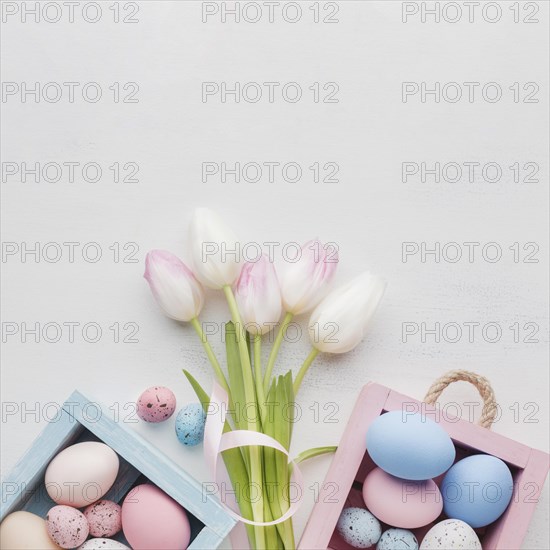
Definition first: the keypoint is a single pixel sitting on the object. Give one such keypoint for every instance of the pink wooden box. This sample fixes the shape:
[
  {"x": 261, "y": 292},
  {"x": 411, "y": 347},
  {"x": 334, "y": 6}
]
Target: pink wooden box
[{"x": 351, "y": 463}]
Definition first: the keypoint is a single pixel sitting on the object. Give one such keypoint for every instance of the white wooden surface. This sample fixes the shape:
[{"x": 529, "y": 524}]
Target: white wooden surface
[{"x": 370, "y": 213}]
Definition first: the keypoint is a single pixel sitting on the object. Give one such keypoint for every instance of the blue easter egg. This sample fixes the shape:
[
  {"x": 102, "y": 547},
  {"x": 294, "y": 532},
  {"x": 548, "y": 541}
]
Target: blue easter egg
[
  {"x": 397, "y": 539},
  {"x": 477, "y": 490},
  {"x": 190, "y": 424},
  {"x": 358, "y": 527},
  {"x": 410, "y": 446}
]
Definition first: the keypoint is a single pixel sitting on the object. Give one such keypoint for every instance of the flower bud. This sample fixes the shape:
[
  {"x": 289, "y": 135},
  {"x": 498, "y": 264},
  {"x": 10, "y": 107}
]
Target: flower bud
[
  {"x": 258, "y": 296},
  {"x": 340, "y": 321},
  {"x": 173, "y": 285},
  {"x": 214, "y": 249},
  {"x": 304, "y": 283}
]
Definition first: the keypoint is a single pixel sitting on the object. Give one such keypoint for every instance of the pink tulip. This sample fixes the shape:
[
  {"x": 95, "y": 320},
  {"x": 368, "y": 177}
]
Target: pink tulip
[
  {"x": 258, "y": 296},
  {"x": 305, "y": 282},
  {"x": 173, "y": 285}
]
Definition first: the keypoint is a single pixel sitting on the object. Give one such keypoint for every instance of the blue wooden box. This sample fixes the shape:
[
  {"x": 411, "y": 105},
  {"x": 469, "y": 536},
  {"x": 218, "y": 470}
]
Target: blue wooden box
[{"x": 83, "y": 420}]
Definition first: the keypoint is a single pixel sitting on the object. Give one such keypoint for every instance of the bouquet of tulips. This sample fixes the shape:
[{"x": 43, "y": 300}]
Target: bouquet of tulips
[{"x": 258, "y": 298}]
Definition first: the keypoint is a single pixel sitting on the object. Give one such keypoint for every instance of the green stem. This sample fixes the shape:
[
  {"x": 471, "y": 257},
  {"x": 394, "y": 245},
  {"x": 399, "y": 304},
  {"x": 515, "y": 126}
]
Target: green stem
[
  {"x": 304, "y": 368},
  {"x": 210, "y": 353},
  {"x": 256, "y": 476},
  {"x": 275, "y": 349},
  {"x": 257, "y": 346}
]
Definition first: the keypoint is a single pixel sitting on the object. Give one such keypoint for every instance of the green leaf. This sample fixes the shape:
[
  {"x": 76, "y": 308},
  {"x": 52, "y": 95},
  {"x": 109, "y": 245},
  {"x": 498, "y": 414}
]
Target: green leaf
[
  {"x": 276, "y": 463},
  {"x": 315, "y": 451},
  {"x": 201, "y": 394}
]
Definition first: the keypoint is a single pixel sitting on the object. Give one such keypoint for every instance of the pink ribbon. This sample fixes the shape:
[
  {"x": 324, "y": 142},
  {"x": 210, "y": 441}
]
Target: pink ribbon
[{"x": 215, "y": 442}]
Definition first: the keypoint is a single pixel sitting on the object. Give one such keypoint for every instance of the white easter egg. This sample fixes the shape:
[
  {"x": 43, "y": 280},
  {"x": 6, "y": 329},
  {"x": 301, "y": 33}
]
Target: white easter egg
[
  {"x": 451, "y": 534},
  {"x": 81, "y": 474},
  {"x": 103, "y": 544}
]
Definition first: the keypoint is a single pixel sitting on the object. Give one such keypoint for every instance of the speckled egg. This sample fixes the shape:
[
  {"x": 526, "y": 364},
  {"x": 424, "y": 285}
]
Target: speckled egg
[
  {"x": 104, "y": 518},
  {"x": 190, "y": 424},
  {"x": 397, "y": 539},
  {"x": 358, "y": 527},
  {"x": 67, "y": 526},
  {"x": 451, "y": 534},
  {"x": 103, "y": 544},
  {"x": 156, "y": 404}
]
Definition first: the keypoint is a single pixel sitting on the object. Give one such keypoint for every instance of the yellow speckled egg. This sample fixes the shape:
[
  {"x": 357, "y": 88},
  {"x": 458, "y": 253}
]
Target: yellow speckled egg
[{"x": 25, "y": 531}]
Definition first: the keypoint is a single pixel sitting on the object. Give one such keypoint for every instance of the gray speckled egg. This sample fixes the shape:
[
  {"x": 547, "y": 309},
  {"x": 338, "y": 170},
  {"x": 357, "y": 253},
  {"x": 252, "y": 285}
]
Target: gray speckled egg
[
  {"x": 450, "y": 534},
  {"x": 103, "y": 544},
  {"x": 358, "y": 527},
  {"x": 397, "y": 539},
  {"x": 67, "y": 526},
  {"x": 190, "y": 424}
]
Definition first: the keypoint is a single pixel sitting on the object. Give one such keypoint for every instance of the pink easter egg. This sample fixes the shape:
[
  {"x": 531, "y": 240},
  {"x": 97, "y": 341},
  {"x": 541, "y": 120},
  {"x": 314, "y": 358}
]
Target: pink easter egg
[
  {"x": 401, "y": 503},
  {"x": 104, "y": 518},
  {"x": 67, "y": 526},
  {"x": 151, "y": 519},
  {"x": 156, "y": 404}
]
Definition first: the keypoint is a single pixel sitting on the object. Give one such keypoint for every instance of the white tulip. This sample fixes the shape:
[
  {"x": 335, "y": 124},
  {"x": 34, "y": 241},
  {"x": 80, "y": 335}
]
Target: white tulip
[
  {"x": 258, "y": 296},
  {"x": 304, "y": 283},
  {"x": 214, "y": 249},
  {"x": 340, "y": 321},
  {"x": 174, "y": 286}
]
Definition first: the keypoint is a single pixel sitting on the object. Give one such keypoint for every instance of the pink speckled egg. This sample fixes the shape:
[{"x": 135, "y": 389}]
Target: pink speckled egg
[
  {"x": 156, "y": 404},
  {"x": 104, "y": 518},
  {"x": 401, "y": 503},
  {"x": 151, "y": 519},
  {"x": 67, "y": 526}
]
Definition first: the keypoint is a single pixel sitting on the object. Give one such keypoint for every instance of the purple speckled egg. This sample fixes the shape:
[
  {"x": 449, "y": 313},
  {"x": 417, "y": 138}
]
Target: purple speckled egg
[
  {"x": 67, "y": 526},
  {"x": 104, "y": 518},
  {"x": 156, "y": 404}
]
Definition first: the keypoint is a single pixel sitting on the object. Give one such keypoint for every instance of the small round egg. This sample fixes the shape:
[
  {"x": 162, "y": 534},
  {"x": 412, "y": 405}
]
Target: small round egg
[
  {"x": 397, "y": 539},
  {"x": 358, "y": 527},
  {"x": 103, "y": 544},
  {"x": 190, "y": 424},
  {"x": 104, "y": 518},
  {"x": 156, "y": 404},
  {"x": 450, "y": 534},
  {"x": 67, "y": 526}
]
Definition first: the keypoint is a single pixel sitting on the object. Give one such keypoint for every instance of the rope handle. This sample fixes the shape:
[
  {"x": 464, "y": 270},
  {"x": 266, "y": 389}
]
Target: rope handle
[{"x": 489, "y": 412}]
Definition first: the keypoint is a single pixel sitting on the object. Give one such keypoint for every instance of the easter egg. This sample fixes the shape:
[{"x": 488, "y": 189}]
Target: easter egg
[
  {"x": 477, "y": 490},
  {"x": 156, "y": 404},
  {"x": 401, "y": 503},
  {"x": 103, "y": 544},
  {"x": 67, "y": 526},
  {"x": 358, "y": 527},
  {"x": 81, "y": 473},
  {"x": 450, "y": 534},
  {"x": 151, "y": 519},
  {"x": 190, "y": 424},
  {"x": 409, "y": 445},
  {"x": 103, "y": 518},
  {"x": 397, "y": 539},
  {"x": 23, "y": 530}
]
